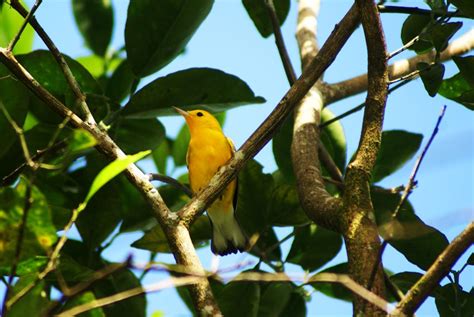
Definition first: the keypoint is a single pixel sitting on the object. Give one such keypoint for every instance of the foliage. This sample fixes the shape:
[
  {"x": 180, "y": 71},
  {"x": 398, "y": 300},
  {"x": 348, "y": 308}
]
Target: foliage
[{"x": 156, "y": 33}]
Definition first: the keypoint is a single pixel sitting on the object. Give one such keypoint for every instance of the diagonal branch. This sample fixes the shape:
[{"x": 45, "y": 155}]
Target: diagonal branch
[
  {"x": 265, "y": 131},
  {"x": 438, "y": 270},
  {"x": 177, "y": 235},
  {"x": 358, "y": 84},
  {"x": 360, "y": 232}
]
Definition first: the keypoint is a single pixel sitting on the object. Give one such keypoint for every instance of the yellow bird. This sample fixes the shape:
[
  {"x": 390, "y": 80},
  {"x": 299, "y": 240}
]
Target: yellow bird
[{"x": 208, "y": 150}]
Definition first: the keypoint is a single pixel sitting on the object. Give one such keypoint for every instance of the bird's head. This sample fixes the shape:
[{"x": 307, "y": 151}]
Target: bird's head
[{"x": 199, "y": 119}]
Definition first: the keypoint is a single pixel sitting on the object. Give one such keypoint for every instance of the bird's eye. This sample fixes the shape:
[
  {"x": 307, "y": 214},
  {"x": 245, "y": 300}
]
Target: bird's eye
[{"x": 199, "y": 114}]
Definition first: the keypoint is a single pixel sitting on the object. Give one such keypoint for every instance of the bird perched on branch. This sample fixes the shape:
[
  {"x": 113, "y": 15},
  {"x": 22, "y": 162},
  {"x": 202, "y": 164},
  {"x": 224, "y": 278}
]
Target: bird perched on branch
[{"x": 208, "y": 150}]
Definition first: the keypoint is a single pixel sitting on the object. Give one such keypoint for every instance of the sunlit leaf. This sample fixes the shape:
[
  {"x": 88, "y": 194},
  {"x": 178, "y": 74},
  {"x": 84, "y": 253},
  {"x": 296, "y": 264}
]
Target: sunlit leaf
[{"x": 10, "y": 23}]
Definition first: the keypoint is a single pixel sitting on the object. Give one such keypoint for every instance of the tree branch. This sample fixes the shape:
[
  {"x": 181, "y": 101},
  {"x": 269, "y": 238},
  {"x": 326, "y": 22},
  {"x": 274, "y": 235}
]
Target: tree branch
[
  {"x": 415, "y": 10},
  {"x": 439, "y": 269},
  {"x": 360, "y": 232},
  {"x": 317, "y": 203},
  {"x": 265, "y": 131},
  {"x": 180, "y": 241},
  {"x": 356, "y": 85}
]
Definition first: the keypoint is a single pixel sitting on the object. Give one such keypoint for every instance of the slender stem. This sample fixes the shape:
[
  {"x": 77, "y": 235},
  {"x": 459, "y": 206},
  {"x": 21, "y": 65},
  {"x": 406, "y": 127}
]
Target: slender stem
[
  {"x": 171, "y": 181},
  {"x": 24, "y": 24},
  {"x": 416, "y": 10}
]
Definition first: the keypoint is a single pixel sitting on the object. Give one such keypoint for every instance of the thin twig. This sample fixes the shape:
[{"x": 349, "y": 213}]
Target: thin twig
[
  {"x": 12, "y": 44},
  {"x": 280, "y": 42},
  {"x": 418, "y": 11},
  {"x": 171, "y": 181},
  {"x": 439, "y": 269},
  {"x": 412, "y": 180},
  {"x": 407, "y": 191}
]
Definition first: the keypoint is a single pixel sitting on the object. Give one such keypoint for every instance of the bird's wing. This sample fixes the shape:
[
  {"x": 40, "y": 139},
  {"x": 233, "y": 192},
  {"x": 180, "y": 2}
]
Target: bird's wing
[{"x": 236, "y": 192}]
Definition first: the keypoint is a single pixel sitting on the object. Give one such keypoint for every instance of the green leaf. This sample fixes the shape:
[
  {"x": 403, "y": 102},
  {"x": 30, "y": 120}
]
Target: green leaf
[
  {"x": 457, "y": 88},
  {"x": 240, "y": 299},
  {"x": 274, "y": 299},
  {"x": 160, "y": 155},
  {"x": 81, "y": 299},
  {"x": 44, "y": 68},
  {"x": 112, "y": 170},
  {"x": 296, "y": 305},
  {"x": 281, "y": 145},
  {"x": 284, "y": 207},
  {"x": 465, "y": 6},
  {"x": 155, "y": 240},
  {"x": 405, "y": 280},
  {"x": 452, "y": 300},
  {"x": 133, "y": 135},
  {"x": 157, "y": 31},
  {"x": 334, "y": 139},
  {"x": 437, "y": 5},
  {"x": 79, "y": 141},
  {"x": 204, "y": 88},
  {"x": 95, "y": 20},
  {"x": 120, "y": 83},
  {"x": 33, "y": 302},
  {"x": 470, "y": 260},
  {"x": 14, "y": 100},
  {"x": 94, "y": 64},
  {"x": 396, "y": 149},
  {"x": 313, "y": 247},
  {"x": 28, "y": 266},
  {"x": 466, "y": 67},
  {"x": 253, "y": 197},
  {"x": 334, "y": 290},
  {"x": 10, "y": 23},
  {"x": 432, "y": 76},
  {"x": 40, "y": 234},
  {"x": 418, "y": 242},
  {"x": 442, "y": 33},
  {"x": 258, "y": 12},
  {"x": 413, "y": 26}
]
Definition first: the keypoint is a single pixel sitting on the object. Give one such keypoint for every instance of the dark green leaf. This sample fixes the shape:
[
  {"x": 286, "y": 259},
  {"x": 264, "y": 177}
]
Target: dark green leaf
[
  {"x": 240, "y": 299},
  {"x": 180, "y": 146},
  {"x": 204, "y": 88},
  {"x": 136, "y": 213},
  {"x": 274, "y": 299},
  {"x": 442, "y": 33},
  {"x": 405, "y": 280},
  {"x": 452, "y": 301},
  {"x": 466, "y": 7},
  {"x": 157, "y": 31},
  {"x": 13, "y": 100},
  {"x": 253, "y": 198},
  {"x": 81, "y": 299},
  {"x": 259, "y": 14},
  {"x": 470, "y": 261},
  {"x": 133, "y": 135},
  {"x": 10, "y": 23},
  {"x": 28, "y": 266},
  {"x": 281, "y": 146},
  {"x": 40, "y": 234},
  {"x": 437, "y": 5},
  {"x": 267, "y": 246},
  {"x": 418, "y": 242},
  {"x": 120, "y": 84},
  {"x": 334, "y": 290},
  {"x": 413, "y": 26},
  {"x": 296, "y": 306},
  {"x": 155, "y": 240},
  {"x": 466, "y": 67},
  {"x": 161, "y": 154},
  {"x": 44, "y": 68},
  {"x": 396, "y": 149},
  {"x": 284, "y": 207},
  {"x": 95, "y": 20},
  {"x": 183, "y": 292},
  {"x": 313, "y": 247},
  {"x": 432, "y": 77},
  {"x": 33, "y": 302},
  {"x": 457, "y": 88}
]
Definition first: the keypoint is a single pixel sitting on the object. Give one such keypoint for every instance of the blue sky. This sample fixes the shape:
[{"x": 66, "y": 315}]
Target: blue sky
[{"x": 228, "y": 40}]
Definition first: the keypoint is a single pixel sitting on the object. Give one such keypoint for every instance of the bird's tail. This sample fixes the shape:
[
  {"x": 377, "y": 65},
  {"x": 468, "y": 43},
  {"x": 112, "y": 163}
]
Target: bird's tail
[{"x": 227, "y": 235}]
